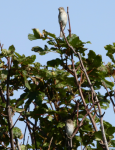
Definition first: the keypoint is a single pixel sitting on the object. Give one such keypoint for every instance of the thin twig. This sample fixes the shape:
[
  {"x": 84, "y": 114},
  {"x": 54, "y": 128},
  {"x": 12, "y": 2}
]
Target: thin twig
[
  {"x": 109, "y": 95},
  {"x": 29, "y": 128},
  {"x": 50, "y": 143},
  {"x": 27, "y": 140},
  {"x": 16, "y": 121},
  {"x": 35, "y": 137},
  {"x": 77, "y": 112},
  {"x": 2, "y": 96},
  {"x": 88, "y": 112},
  {"x": 69, "y": 22},
  {"x": 1, "y": 46},
  {"x": 24, "y": 133},
  {"x": 17, "y": 143},
  {"x": 5, "y": 146}
]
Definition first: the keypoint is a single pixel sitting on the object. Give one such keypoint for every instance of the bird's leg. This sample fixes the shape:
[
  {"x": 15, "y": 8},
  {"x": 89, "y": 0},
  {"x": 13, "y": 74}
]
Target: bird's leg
[{"x": 69, "y": 142}]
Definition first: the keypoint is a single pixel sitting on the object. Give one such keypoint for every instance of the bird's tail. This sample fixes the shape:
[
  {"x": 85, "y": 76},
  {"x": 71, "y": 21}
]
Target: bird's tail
[{"x": 61, "y": 34}]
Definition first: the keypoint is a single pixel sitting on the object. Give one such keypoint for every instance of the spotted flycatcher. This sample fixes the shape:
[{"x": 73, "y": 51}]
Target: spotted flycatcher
[
  {"x": 62, "y": 17},
  {"x": 69, "y": 126}
]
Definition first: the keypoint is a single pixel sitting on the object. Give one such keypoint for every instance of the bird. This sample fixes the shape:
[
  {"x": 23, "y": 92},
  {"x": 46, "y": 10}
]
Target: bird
[
  {"x": 69, "y": 127},
  {"x": 62, "y": 17}
]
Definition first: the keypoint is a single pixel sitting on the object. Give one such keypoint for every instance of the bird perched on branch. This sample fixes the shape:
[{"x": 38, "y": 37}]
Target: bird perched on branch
[
  {"x": 62, "y": 17},
  {"x": 69, "y": 126}
]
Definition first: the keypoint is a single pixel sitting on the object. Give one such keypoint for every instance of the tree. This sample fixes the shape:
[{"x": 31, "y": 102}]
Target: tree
[{"x": 63, "y": 89}]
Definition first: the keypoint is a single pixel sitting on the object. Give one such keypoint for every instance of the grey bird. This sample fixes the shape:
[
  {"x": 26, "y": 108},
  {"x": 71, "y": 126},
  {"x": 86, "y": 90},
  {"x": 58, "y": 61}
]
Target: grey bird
[
  {"x": 62, "y": 17},
  {"x": 69, "y": 126}
]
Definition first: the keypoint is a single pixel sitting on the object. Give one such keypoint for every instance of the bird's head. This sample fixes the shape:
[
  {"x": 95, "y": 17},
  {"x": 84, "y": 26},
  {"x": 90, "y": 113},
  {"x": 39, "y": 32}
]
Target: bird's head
[{"x": 61, "y": 9}]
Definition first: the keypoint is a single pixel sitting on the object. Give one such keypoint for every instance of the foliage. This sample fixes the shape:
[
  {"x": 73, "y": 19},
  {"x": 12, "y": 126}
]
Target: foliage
[
  {"x": 17, "y": 133},
  {"x": 53, "y": 92}
]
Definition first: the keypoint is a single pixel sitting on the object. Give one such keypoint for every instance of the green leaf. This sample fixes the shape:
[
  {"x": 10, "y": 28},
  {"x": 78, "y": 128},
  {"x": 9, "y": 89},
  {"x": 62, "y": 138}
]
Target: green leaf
[
  {"x": 74, "y": 40},
  {"x": 17, "y": 133},
  {"x": 5, "y": 72},
  {"x": 95, "y": 60},
  {"x": 25, "y": 79},
  {"x": 37, "y": 33},
  {"x": 91, "y": 55},
  {"x": 31, "y": 37},
  {"x": 108, "y": 84},
  {"x": 29, "y": 147},
  {"x": 98, "y": 135},
  {"x": 48, "y": 33},
  {"x": 60, "y": 125},
  {"x": 110, "y": 51},
  {"x": 45, "y": 144},
  {"x": 3, "y": 105},
  {"x": 110, "y": 130},
  {"x": 78, "y": 138},
  {"x": 18, "y": 55},
  {"x": 23, "y": 97},
  {"x": 8, "y": 52},
  {"x": 55, "y": 62},
  {"x": 113, "y": 143},
  {"x": 89, "y": 42},
  {"x": 29, "y": 60},
  {"x": 3, "y": 75},
  {"x": 50, "y": 118},
  {"x": 40, "y": 50},
  {"x": 11, "y": 48},
  {"x": 23, "y": 147},
  {"x": 18, "y": 109},
  {"x": 2, "y": 64},
  {"x": 51, "y": 42},
  {"x": 37, "y": 65}
]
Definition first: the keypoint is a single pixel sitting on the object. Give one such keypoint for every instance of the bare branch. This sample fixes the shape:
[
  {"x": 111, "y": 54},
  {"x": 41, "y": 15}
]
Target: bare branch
[
  {"x": 69, "y": 22},
  {"x": 50, "y": 143},
  {"x": 2, "y": 96},
  {"x": 24, "y": 133},
  {"x": 88, "y": 112},
  {"x": 10, "y": 123},
  {"x": 35, "y": 137},
  {"x": 5, "y": 146},
  {"x": 109, "y": 95},
  {"x": 16, "y": 121},
  {"x": 92, "y": 90},
  {"x": 17, "y": 143}
]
